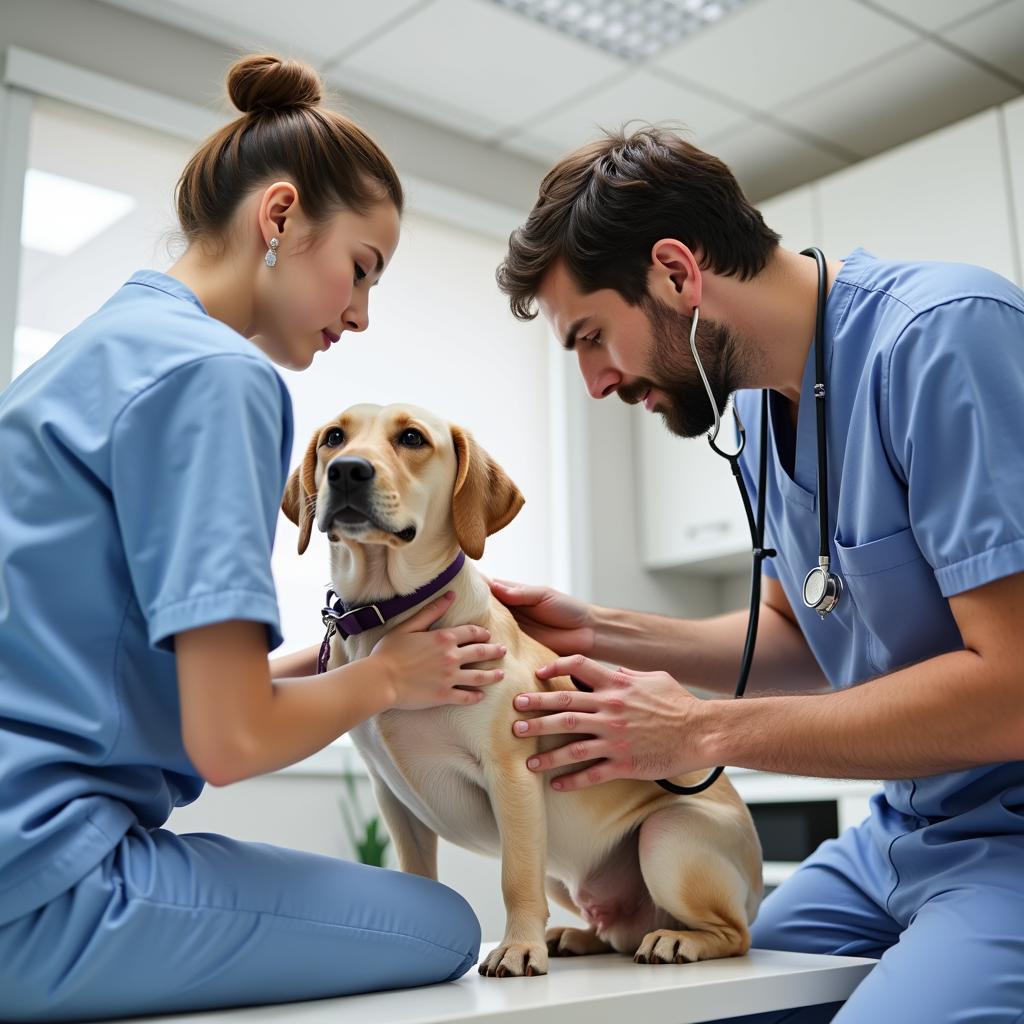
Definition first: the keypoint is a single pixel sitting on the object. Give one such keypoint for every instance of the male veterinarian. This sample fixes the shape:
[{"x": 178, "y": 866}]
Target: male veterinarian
[{"x": 915, "y": 677}]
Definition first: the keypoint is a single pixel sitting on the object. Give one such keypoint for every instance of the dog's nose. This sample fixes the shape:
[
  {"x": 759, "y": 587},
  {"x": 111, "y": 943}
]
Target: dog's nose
[{"x": 350, "y": 471}]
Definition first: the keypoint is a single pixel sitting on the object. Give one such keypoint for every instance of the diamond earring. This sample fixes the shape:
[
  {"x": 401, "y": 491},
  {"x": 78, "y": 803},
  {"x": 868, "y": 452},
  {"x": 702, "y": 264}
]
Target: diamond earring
[{"x": 271, "y": 258}]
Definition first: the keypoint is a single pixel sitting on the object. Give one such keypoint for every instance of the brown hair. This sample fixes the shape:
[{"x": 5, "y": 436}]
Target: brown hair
[
  {"x": 603, "y": 207},
  {"x": 283, "y": 133}
]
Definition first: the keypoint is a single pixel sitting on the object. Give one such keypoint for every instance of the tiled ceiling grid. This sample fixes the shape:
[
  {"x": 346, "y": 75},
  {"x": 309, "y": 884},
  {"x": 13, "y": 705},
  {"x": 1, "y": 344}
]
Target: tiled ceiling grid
[{"x": 783, "y": 90}]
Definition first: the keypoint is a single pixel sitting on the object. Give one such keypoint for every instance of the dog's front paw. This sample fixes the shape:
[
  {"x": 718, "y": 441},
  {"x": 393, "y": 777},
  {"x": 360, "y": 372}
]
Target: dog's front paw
[{"x": 516, "y": 960}]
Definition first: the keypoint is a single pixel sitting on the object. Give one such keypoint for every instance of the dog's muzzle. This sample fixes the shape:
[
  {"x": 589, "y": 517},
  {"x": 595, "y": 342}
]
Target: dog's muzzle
[{"x": 350, "y": 479}]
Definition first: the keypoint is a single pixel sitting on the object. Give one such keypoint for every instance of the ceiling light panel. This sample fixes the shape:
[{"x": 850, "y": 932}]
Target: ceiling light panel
[{"x": 632, "y": 29}]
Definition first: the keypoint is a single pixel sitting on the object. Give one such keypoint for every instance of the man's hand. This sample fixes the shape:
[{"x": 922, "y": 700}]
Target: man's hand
[
  {"x": 636, "y": 725},
  {"x": 552, "y": 618}
]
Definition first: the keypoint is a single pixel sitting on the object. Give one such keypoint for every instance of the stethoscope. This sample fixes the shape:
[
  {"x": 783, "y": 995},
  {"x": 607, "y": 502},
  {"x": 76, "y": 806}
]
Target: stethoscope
[{"x": 822, "y": 588}]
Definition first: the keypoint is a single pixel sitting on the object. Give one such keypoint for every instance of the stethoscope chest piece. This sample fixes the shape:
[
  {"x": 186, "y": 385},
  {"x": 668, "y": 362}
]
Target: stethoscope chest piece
[{"x": 822, "y": 590}]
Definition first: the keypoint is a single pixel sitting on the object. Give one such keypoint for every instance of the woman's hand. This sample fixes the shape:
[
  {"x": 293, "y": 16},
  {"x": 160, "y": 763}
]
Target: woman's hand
[
  {"x": 426, "y": 667},
  {"x": 637, "y": 725},
  {"x": 556, "y": 620}
]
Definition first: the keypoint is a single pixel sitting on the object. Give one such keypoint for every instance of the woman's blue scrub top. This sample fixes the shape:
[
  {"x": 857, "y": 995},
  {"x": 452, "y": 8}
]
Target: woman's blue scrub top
[
  {"x": 142, "y": 462},
  {"x": 924, "y": 374}
]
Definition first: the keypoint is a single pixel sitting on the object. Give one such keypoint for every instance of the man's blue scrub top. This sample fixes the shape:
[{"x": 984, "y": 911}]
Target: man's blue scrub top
[
  {"x": 142, "y": 462},
  {"x": 924, "y": 370}
]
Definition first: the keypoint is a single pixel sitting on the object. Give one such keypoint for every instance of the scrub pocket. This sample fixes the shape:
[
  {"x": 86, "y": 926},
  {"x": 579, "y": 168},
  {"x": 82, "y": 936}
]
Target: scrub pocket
[{"x": 897, "y": 601}]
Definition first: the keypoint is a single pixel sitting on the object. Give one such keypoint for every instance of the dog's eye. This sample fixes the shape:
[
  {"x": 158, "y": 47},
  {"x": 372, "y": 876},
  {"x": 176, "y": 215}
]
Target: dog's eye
[
  {"x": 411, "y": 438},
  {"x": 334, "y": 438}
]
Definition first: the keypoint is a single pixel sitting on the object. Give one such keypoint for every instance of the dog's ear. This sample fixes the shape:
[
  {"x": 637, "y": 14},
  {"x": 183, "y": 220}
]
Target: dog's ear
[
  {"x": 299, "y": 501},
  {"x": 484, "y": 499}
]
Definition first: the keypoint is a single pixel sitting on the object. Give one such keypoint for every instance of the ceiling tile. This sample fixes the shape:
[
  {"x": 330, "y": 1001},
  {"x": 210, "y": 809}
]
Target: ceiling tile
[
  {"x": 996, "y": 36},
  {"x": 907, "y": 95},
  {"x": 314, "y": 29},
  {"x": 767, "y": 160},
  {"x": 931, "y": 15},
  {"x": 641, "y": 95},
  {"x": 776, "y": 50},
  {"x": 534, "y": 147},
  {"x": 474, "y": 66}
]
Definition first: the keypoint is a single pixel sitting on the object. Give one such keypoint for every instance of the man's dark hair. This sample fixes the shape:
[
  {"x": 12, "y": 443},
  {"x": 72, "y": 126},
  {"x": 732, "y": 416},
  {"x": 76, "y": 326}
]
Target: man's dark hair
[{"x": 603, "y": 207}]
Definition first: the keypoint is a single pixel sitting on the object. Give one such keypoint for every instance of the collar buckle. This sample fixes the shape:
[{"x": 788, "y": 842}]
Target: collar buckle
[{"x": 362, "y": 608}]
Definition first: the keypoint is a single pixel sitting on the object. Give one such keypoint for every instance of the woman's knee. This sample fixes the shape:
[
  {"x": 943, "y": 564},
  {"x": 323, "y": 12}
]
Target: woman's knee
[{"x": 450, "y": 917}]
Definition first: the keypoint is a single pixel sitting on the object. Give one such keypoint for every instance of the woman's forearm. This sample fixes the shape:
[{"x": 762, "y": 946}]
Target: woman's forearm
[
  {"x": 274, "y": 723},
  {"x": 306, "y": 714},
  {"x": 705, "y": 653}
]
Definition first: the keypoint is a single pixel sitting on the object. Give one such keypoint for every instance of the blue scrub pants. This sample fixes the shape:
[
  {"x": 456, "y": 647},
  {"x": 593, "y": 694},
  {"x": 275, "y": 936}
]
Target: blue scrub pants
[
  {"x": 168, "y": 923},
  {"x": 940, "y": 903}
]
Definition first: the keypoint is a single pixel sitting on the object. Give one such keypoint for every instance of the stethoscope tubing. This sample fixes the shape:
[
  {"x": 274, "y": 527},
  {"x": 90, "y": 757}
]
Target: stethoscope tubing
[{"x": 756, "y": 525}]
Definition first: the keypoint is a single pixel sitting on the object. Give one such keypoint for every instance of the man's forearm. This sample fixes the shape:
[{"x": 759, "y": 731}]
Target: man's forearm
[
  {"x": 706, "y": 653},
  {"x": 945, "y": 714}
]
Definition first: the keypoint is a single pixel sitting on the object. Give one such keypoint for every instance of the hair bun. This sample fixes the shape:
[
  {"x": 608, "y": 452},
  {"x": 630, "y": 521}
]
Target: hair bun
[{"x": 262, "y": 82}]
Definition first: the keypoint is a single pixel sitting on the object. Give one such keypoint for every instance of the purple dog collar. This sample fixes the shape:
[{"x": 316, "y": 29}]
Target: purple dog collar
[{"x": 338, "y": 618}]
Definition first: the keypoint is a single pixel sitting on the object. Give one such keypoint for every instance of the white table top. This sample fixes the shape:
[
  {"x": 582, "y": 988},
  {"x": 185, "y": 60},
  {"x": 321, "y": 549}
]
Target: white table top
[{"x": 585, "y": 990}]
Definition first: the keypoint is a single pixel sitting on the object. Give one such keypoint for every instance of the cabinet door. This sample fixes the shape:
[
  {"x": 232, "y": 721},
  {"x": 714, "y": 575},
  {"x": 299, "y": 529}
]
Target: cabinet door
[
  {"x": 941, "y": 197},
  {"x": 1013, "y": 114},
  {"x": 692, "y": 514}
]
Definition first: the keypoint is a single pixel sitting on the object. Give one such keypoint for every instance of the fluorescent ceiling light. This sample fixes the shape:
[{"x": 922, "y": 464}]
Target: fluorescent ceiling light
[
  {"x": 633, "y": 29},
  {"x": 61, "y": 215}
]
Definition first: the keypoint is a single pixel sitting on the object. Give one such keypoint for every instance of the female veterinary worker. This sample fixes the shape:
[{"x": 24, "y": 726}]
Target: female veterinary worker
[{"x": 142, "y": 463}]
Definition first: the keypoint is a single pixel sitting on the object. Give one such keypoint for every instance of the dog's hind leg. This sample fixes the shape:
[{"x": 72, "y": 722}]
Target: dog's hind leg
[
  {"x": 695, "y": 870},
  {"x": 569, "y": 941}
]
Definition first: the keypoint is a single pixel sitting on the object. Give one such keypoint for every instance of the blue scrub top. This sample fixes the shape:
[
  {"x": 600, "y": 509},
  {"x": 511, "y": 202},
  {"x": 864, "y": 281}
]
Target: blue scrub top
[
  {"x": 142, "y": 462},
  {"x": 924, "y": 370}
]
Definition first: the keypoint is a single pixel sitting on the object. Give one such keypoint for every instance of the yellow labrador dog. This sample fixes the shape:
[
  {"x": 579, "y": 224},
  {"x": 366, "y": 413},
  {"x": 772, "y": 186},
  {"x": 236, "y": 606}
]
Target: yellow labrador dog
[{"x": 400, "y": 492}]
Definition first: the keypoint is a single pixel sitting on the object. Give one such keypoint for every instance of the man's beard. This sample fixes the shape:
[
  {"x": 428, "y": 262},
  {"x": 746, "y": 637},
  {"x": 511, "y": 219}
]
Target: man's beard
[{"x": 672, "y": 371}]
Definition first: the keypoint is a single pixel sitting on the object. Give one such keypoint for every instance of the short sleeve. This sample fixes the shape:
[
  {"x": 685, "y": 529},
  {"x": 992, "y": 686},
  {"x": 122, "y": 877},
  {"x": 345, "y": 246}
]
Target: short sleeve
[
  {"x": 956, "y": 418},
  {"x": 197, "y": 476}
]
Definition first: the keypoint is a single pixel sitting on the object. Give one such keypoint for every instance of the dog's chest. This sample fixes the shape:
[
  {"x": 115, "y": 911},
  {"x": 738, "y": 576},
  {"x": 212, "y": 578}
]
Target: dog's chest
[{"x": 440, "y": 782}]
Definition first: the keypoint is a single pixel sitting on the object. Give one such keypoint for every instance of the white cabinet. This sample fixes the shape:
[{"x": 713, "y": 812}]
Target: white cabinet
[
  {"x": 941, "y": 197},
  {"x": 692, "y": 514},
  {"x": 1013, "y": 114}
]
